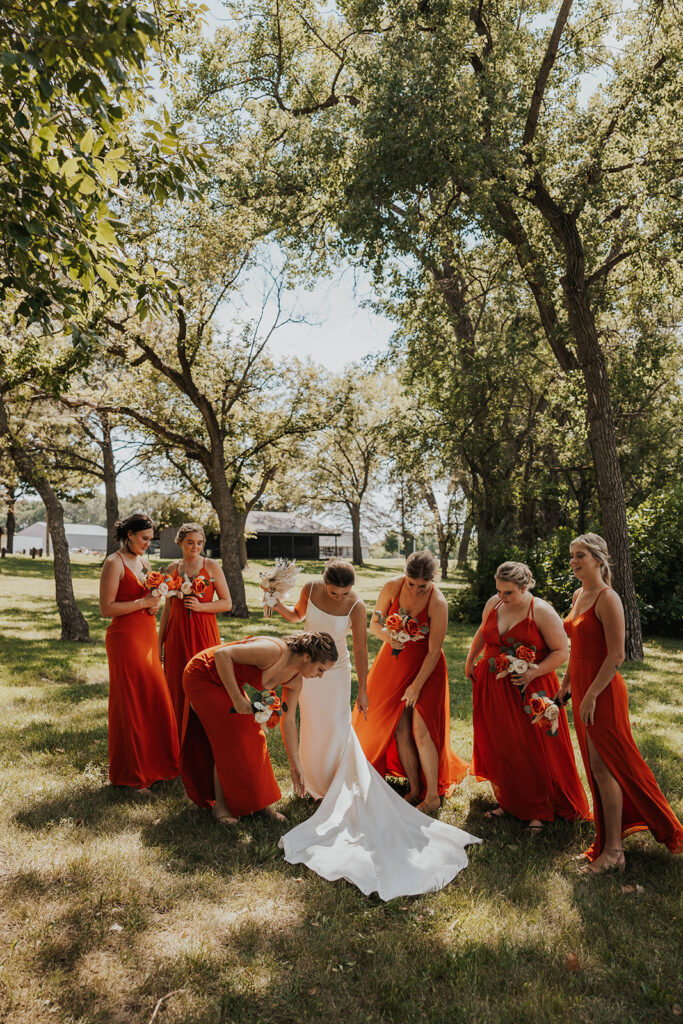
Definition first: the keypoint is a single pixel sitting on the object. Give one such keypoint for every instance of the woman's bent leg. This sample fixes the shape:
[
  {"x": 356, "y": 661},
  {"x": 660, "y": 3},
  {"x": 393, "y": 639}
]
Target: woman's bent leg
[
  {"x": 429, "y": 762},
  {"x": 407, "y": 752}
]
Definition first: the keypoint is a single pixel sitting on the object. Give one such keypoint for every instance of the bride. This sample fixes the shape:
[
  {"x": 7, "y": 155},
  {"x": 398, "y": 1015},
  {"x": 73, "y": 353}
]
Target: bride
[{"x": 362, "y": 831}]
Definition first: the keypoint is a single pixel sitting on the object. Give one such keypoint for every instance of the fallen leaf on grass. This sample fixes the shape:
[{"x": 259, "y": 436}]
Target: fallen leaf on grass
[
  {"x": 298, "y": 879},
  {"x": 78, "y": 821},
  {"x": 640, "y": 888},
  {"x": 572, "y": 962},
  {"x": 628, "y": 888},
  {"x": 116, "y": 928},
  {"x": 59, "y": 750},
  {"x": 157, "y": 821},
  {"x": 312, "y": 991},
  {"x": 676, "y": 1010}
]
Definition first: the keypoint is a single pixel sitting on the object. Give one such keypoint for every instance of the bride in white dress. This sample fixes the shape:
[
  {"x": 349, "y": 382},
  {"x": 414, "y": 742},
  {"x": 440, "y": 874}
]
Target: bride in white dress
[{"x": 363, "y": 830}]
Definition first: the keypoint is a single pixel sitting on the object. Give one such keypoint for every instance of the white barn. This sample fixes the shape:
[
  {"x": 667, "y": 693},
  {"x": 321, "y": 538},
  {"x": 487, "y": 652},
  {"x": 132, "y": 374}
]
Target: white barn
[{"x": 78, "y": 535}]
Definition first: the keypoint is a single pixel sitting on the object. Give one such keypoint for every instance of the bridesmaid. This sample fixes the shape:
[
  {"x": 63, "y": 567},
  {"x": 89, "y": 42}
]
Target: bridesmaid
[
  {"x": 407, "y": 729},
  {"x": 189, "y": 625},
  {"x": 533, "y": 774},
  {"x": 224, "y": 757},
  {"x": 626, "y": 797},
  {"x": 143, "y": 739},
  {"x": 331, "y": 605}
]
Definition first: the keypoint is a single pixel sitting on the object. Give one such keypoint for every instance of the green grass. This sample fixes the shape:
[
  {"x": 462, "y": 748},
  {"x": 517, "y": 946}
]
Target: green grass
[{"x": 110, "y": 904}]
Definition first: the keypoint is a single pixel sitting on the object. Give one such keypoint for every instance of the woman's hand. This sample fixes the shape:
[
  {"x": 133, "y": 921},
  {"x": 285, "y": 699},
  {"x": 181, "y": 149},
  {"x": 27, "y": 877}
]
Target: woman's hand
[
  {"x": 469, "y": 669},
  {"x": 243, "y": 706},
  {"x": 151, "y": 602},
  {"x": 161, "y": 652},
  {"x": 587, "y": 709},
  {"x": 298, "y": 780},
  {"x": 191, "y": 603},
  {"x": 411, "y": 695},
  {"x": 525, "y": 678},
  {"x": 393, "y": 642},
  {"x": 362, "y": 702}
]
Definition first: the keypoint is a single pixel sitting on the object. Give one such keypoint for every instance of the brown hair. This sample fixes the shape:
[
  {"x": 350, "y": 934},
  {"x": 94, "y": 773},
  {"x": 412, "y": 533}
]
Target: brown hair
[
  {"x": 338, "y": 573},
  {"x": 597, "y": 546},
  {"x": 516, "y": 572},
  {"x": 136, "y": 523},
  {"x": 318, "y": 646},
  {"x": 188, "y": 528},
  {"x": 422, "y": 565}
]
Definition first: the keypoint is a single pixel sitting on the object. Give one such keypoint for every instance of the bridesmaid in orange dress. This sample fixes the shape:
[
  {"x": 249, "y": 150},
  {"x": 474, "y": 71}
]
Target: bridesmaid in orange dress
[
  {"x": 626, "y": 797},
  {"x": 224, "y": 757},
  {"x": 189, "y": 626},
  {"x": 143, "y": 739},
  {"x": 408, "y": 726},
  {"x": 533, "y": 774}
]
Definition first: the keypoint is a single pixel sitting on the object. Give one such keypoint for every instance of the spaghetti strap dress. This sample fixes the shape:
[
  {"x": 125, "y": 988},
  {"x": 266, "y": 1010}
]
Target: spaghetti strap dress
[
  {"x": 143, "y": 739},
  {"x": 644, "y": 805},
  {"x": 387, "y": 681},
  {"x": 532, "y": 772},
  {"x": 235, "y": 743},
  {"x": 186, "y": 635}
]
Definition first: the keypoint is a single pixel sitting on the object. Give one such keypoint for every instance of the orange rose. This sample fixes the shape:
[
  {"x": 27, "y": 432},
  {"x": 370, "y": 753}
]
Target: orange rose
[
  {"x": 501, "y": 663},
  {"x": 154, "y": 579},
  {"x": 412, "y": 627},
  {"x": 173, "y": 582},
  {"x": 525, "y": 653},
  {"x": 198, "y": 586},
  {"x": 394, "y": 623}
]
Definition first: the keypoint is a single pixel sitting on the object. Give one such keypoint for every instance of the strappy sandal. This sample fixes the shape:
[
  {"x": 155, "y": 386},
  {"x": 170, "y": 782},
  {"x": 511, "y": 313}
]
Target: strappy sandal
[
  {"x": 618, "y": 865},
  {"x": 495, "y": 812}
]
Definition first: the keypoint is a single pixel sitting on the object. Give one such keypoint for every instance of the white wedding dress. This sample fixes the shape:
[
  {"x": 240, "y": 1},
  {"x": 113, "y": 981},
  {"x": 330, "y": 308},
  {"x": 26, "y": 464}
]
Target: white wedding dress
[{"x": 363, "y": 830}]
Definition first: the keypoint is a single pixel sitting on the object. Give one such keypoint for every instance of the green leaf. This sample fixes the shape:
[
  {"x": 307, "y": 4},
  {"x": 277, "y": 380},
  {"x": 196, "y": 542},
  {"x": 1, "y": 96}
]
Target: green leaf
[{"x": 87, "y": 141}]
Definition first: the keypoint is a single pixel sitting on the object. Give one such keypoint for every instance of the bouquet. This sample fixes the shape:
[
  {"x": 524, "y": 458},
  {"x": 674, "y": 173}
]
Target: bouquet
[
  {"x": 158, "y": 584},
  {"x": 514, "y": 660},
  {"x": 187, "y": 587},
  {"x": 403, "y": 627},
  {"x": 543, "y": 711},
  {"x": 267, "y": 709},
  {"x": 276, "y": 583}
]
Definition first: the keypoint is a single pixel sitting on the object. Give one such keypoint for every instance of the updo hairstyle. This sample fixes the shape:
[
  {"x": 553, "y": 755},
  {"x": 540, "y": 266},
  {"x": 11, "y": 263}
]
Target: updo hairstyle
[
  {"x": 516, "y": 572},
  {"x": 422, "y": 565},
  {"x": 132, "y": 524},
  {"x": 597, "y": 546},
  {"x": 188, "y": 528},
  {"x": 318, "y": 646},
  {"x": 338, "y": 573}
]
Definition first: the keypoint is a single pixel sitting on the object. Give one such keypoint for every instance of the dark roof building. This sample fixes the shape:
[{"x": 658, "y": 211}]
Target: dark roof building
[{"x": 269, "y": 535}]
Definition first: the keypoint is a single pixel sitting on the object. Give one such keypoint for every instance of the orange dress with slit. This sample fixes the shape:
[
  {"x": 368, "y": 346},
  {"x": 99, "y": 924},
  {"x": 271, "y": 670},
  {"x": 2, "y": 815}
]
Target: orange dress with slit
[
  {"x": 187, "y": 633},
  {"x": 533, "y": 774},
  {"x": 235, "y": 743},
  {"x": 143, "y": 738},
  {"x": 644, "y": 804},
  {"x": 388, "y": 679}
]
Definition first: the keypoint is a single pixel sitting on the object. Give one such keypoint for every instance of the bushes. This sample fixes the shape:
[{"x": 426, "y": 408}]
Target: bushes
[{"x": 656, "y": 529}]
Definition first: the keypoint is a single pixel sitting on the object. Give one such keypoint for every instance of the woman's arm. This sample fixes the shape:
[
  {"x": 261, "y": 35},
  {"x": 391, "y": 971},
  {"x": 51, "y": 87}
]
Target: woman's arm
[
  {"x": 163, "y": 622},
  {"x": 254, "y": 652},
  {"x": 109, "y": 584},
  {"x": 438, "y": 624},
  {"x": 551, "y": 629},
  {"x": 359, "y": 636},
  {"x": 611, "y": 615},
  {"x": 290, "y": 736},
  {"x": 223, "y": 602},
  {"x": 298, "y": 612},
  {"x": 477, "y": 645},
  {"x": 386, "y": 598},
  {"x": 565, "y": 683}
]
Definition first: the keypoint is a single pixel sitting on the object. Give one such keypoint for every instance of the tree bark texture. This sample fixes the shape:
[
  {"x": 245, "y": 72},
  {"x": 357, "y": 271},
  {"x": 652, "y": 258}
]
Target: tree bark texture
[
  {"x": 357, "y": 548},
  {"x": 74, "y": 625},
  {"x": 464, "y": 546},
  {"x": 442, "y": 537},
  {"x": 11, "y": 523},
  {"x": 111, "y": 500},
  {"x": 231, "y": 528}
]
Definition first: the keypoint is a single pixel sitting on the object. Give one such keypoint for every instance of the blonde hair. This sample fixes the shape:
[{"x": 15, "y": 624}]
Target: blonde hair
[
  {"x": 188, "y": 528},
  {"x": 597, "y": 546},
  {"x": 318, "y": 646},
  {"x": 516, "y": 572}
]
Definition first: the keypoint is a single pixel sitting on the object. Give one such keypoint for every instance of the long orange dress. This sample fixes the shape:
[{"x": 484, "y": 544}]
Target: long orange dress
[
  {"x": 143, "y": 739},
  {"x": 533, "y": 773},
  {"x": 387, "y": 681},
  {"x": 235, "y": 743},
  {"x": 186, "y": 635},
  {"x": 644, "y": 804}
]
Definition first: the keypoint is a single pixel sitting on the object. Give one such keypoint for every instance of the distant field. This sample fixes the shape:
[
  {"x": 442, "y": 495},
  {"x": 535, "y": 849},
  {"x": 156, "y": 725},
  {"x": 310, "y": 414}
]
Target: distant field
[{"x": 110, "y": 905}]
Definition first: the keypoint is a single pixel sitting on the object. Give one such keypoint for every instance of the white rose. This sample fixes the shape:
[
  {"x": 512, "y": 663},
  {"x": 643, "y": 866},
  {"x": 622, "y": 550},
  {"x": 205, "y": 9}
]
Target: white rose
[
  {"x": 186, "y": 587},
  {"x": 162, "y": 589},
  {"x": 517, "y": 666},
  {"x": 403, "y": 637}
]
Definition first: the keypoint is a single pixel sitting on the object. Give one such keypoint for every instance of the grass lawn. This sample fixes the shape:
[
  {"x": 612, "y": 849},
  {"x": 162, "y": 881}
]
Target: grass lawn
[{"x": 110, "y": 904}]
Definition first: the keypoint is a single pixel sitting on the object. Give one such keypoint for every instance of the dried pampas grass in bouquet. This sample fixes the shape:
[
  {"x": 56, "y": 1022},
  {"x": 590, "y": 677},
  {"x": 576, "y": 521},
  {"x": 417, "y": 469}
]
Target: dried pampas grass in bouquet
[{"x": 276, "y": 583}]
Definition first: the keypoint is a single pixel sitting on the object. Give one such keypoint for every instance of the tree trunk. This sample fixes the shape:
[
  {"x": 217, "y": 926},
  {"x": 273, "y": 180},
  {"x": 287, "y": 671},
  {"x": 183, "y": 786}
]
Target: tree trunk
[
  {"x": 74, "y": 626},
  {"x": 11, "y": 522},
  {"x": 231, "y": 530},
  {"x": 442, "y": 538},
  {"x": 111, "y": 500},
  {"x": 244, "y": 560},
  {"x": 357, "y": 549},
  {"x": 464, "y": 546},
  {"x": 602, "y": 435}
]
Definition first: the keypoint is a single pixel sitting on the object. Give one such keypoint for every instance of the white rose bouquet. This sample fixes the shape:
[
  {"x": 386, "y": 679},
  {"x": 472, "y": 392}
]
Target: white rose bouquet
[{"x": 277, "y": 582}]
